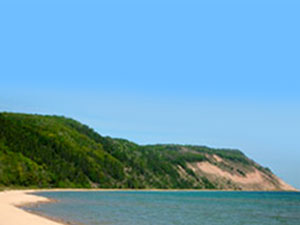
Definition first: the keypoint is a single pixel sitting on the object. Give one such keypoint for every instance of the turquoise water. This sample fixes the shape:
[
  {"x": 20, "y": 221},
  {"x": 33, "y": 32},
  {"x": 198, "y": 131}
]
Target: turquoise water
[{"x": 174, "y": 208}]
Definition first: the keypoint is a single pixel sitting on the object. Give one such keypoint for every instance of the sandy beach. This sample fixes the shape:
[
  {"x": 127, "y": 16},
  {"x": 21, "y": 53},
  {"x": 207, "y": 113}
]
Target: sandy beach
[
  {"x": 11, "y": 200},
  {"x": 10, "y": 214}
]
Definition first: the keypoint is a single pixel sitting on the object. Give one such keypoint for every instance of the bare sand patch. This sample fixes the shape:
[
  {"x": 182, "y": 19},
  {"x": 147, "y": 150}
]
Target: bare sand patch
[
  {"x": 256, "y": 180},
  {"x": 217, "y": 158}
]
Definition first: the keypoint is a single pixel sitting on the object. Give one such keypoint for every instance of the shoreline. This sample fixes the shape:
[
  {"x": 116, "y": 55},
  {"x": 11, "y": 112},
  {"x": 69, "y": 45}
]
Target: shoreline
[
  {"x": 139, "y": 190},
  {"x": 51, "y": 218},
  {"x": 13, "y": 201},
  {"x": 12, "y": 213}
]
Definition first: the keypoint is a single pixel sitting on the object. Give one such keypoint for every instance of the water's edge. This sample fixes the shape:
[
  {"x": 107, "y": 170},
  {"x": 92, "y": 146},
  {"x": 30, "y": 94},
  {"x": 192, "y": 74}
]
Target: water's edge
[
  {"x": 29, "y": 207},
  {"x": 161, "y": 195}
]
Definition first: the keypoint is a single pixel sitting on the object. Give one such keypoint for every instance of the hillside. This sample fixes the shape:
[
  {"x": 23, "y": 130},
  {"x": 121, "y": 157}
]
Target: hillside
[{"x": 54, "y": 151}]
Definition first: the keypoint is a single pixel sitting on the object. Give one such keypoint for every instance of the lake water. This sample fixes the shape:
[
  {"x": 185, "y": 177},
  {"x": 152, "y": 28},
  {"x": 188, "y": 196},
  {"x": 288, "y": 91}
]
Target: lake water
[{"x": 174, "y": 208}]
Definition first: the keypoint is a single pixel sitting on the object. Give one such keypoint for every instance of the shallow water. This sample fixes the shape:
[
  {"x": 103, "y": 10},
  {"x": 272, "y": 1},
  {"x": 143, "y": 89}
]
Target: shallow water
[{"x": 174, "y": 208}]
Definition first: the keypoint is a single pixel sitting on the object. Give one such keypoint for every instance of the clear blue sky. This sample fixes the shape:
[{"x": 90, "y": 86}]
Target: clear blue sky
[{"x": 191, "y": 72}]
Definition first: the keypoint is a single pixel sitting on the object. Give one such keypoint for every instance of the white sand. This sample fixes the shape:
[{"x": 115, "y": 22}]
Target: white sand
[{"x": 10, "y": 214}]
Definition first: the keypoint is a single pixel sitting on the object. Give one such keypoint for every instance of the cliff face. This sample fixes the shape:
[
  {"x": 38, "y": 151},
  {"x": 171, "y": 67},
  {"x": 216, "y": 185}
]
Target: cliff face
[
  {"x": 52, "y": 151},
  {"x": 226, "y": 174}
]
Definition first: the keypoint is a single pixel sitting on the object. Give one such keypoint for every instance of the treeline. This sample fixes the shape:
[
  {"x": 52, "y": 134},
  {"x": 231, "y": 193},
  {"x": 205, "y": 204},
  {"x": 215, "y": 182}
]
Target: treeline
[{"x": 54, "y": 151}]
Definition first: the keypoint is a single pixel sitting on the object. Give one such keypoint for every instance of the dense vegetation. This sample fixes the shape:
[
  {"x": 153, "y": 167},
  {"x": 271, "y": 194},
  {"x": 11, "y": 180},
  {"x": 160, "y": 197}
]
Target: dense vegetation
[{"x": 54, "y": 151}]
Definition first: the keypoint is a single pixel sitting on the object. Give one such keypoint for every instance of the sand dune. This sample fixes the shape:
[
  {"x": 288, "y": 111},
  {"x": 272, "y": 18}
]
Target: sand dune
[{"x": 255, "y": 180}]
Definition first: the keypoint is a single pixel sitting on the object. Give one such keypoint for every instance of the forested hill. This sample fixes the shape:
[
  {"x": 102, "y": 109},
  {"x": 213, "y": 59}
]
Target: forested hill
[{"x": 54, "y": 151}]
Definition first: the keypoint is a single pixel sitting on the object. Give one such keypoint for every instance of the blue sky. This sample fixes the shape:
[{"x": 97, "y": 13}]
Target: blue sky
[{"x": 192, "y": 72}]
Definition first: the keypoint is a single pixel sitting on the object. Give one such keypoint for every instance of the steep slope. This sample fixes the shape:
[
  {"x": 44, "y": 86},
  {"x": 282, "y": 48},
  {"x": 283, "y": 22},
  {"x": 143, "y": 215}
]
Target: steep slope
[{"x": 53, "y": 151}]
